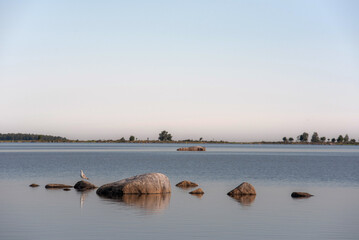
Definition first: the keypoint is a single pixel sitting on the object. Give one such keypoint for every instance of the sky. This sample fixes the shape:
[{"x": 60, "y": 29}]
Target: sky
[{"x": 224, "y": 70}]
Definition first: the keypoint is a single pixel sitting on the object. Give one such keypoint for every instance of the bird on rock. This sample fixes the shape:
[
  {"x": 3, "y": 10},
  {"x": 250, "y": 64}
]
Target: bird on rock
[{"x": 83, "y": 176}]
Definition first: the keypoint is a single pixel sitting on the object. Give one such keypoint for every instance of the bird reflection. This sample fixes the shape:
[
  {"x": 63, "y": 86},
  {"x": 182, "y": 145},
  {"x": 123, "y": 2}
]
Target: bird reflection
[
  {"x": 153, "y": 202},
  {"x": 82, "y": 198},
  {"x": 245, "y": 200}
]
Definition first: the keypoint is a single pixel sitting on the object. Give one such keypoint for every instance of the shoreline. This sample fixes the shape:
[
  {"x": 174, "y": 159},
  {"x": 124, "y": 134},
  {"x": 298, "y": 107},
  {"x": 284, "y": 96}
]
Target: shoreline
[{"x": 186, "y": 142}]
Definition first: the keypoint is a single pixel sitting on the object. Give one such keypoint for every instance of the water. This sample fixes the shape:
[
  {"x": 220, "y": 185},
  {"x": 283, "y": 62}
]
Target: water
[{"x": 328, "y": 172}]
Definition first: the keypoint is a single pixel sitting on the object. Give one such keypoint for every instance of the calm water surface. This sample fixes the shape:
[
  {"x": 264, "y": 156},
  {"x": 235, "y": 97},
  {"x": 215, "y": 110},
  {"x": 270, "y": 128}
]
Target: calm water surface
[{"x": 328, "y": 172}]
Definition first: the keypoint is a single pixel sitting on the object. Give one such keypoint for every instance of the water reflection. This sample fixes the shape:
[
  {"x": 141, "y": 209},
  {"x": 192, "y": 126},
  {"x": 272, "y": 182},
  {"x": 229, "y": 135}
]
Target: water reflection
[
  {"x": 199, "y": 196},
  {"x": 245, "y": 200},
  {"x": 82, "y": 198},
  {"x": 152, "y": 202}
]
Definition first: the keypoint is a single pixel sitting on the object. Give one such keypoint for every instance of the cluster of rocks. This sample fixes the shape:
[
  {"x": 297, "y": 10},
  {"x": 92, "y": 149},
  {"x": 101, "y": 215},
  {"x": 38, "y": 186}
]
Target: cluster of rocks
[
  {"x": 194, "y": 148},
  {"x": 81, "y": 186},
  {"x": 188, "y": 184},
  {"x": 158, "y": 183}
]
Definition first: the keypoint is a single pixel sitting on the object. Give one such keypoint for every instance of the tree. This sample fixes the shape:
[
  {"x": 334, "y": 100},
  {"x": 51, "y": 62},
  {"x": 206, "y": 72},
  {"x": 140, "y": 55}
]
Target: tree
[
  {"x": 333, "y": 140},
  {"x": 285, "y": 139},
  {"x": 340, "y": 139},
  {"x": 165, "y": 136},
  {"x": 352, "y": 140},
  {"x": 291, "y": 139},
  {"x": 315, "y": 137},
  {"x": 132, "y": 138},
  {"x": 122, "y": 139},
  {"x": 346, "y": 138},
  {"x": 304, "y": 137},
  {"x": 323, "y": 139}
]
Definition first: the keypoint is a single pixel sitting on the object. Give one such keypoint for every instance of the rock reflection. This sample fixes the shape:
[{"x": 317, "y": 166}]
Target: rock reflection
[
  {"x": 245, "y": 200},
  {"x": 152, "y": 202}
]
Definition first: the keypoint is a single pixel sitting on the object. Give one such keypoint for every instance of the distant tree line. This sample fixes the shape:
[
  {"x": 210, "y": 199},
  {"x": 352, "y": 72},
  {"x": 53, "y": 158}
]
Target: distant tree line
[
  {"x": 30, "y": 137},
  {"x": 304, "y": 137}
]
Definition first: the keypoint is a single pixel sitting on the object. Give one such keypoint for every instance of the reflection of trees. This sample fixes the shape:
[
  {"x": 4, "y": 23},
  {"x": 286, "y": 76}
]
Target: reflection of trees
[{"x": 245, "y": 200}]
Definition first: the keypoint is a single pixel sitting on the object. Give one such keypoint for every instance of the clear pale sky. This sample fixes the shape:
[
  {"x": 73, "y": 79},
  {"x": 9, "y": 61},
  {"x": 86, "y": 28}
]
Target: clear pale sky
[{"x": 231, "y": 70}]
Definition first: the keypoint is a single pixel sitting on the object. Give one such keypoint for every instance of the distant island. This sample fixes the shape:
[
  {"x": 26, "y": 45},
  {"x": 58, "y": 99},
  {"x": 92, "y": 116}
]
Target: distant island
[{"x": 165, "y": 137}]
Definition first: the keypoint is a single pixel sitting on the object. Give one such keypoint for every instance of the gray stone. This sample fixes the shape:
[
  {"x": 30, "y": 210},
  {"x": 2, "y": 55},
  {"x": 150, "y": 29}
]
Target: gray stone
[{"x": 149, "y": 183}]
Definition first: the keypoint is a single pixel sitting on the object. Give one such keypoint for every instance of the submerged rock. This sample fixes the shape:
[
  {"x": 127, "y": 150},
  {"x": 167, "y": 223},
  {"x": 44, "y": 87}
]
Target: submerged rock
[
  {"x": 84, "y": 185},
  {"x": 194, "y": 148},
  {"x": 56, "y": 185},
  {"x": 34, "y": 185},
  {"x": 149, "y": 183},
  {"x": 197, "y": 191},
  {"x": 243, "y": 189},
  {"x": 301, "y": 195},
  {"x": 186, "y": 184}
]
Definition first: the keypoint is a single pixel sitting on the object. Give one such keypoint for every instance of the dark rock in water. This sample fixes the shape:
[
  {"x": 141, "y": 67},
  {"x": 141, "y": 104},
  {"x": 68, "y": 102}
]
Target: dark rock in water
[
  {"x": 195, "y": 148},
  {"x": 67, "y": 189},
  {"x": 243, "y": 189},
  {"x": 149, "y": 183},
  {"x": 186, "y": 184},
  {"x": 301, "y": 195},
  {"x": 56, "y": 185},
  {"x": 197, "y": 191},
  {"x": 34, "y": 185},
  {"x": 84, "y": 185},
  {"x": 245, "y": 200}
]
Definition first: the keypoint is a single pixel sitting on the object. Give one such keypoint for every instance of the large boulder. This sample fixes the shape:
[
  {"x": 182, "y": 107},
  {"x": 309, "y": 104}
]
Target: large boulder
[
  {"x": 194, "y": 148},
  {"x": 84, "y": 185},
  {"x": 301, "y": 195},
  {"x": 243, "y": 189},
  {"x": 56, "y": 185},
  {"x": 186, "y": 184},
  {"x": 149, "y": 183}
]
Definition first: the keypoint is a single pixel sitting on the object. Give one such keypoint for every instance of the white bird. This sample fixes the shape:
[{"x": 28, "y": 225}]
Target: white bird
[{"x": 82, "y": 175}]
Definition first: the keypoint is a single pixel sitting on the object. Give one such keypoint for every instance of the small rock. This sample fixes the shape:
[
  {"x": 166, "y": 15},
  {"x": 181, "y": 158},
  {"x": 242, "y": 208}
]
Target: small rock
[
  {"x": 197, "y": 191},
  {"x": 243, "y": 189},
  {"x": 84, "y": 185},
  {"x": 186, "y": 184},
  {"x": 56, "y": 185},
  {"x": 301, "y": 195},
  {"x": 149, "y": 183},
  {"x": 67, "y": 189},
  {"x": 34, "y": 185}
]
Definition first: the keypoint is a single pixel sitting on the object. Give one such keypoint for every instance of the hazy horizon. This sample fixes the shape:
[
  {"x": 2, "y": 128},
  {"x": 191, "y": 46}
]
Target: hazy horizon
[{"x": 223, "y": 70}]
